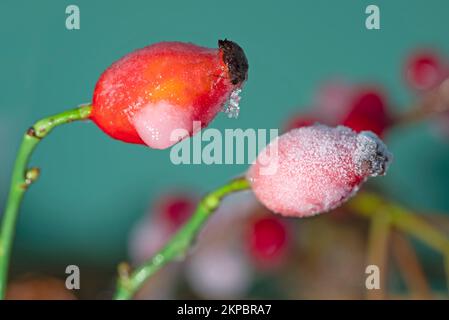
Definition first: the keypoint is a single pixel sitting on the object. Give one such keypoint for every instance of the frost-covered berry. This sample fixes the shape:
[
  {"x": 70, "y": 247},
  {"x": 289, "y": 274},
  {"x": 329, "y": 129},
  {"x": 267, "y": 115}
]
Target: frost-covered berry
[
  {"x": 160, "y": 90},
  {"x": 314, "y": 169}
]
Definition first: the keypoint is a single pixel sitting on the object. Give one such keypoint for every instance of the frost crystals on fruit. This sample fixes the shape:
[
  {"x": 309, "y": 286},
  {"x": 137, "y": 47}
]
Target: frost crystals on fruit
[{"x": 232, "y": 108}]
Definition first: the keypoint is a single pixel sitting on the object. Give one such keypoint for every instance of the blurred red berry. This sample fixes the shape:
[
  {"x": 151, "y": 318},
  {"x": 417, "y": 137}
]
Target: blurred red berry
[
  {"x": 268, "y": 239},
  {"x": 176, "y": 209},
  {"x": 425, "y": 70},
  {"x": 367, "y": 111},
  {"x": 148, "y": 94}
]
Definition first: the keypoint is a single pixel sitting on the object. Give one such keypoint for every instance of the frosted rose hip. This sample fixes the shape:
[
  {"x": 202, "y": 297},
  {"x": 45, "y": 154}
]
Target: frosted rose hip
[{"x": 314, "y": 169}]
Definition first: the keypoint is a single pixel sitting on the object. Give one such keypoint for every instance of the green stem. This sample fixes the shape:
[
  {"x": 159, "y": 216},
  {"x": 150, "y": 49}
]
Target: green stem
[
  {"x": 178, "y": 246},
  {"x": 23, "y": 177}
]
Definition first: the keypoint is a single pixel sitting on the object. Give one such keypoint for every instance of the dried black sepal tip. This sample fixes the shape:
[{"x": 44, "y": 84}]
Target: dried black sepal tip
[{"x": 235, "y": 59}]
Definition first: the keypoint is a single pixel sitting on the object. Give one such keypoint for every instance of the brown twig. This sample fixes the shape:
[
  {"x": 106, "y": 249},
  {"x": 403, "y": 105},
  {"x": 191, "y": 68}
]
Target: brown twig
[
  {"x": 378, "y": 252},
  {"x": 434, "y": 102},
  {"x": 409, "y": 266}
]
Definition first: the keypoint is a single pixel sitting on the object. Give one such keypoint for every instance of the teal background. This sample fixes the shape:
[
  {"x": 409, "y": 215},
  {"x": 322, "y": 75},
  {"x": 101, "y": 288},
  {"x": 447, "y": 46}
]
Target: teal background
[{"x": 93, "y": 188}]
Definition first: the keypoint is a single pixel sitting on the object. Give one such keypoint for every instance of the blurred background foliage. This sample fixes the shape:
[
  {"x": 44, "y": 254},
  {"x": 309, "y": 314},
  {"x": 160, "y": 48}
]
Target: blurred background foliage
[{"x": 93, "y": 189}]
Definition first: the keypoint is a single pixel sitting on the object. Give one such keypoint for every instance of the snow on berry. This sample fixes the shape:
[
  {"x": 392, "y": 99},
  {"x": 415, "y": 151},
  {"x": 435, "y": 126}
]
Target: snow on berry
[
  {"x": 147, "y": 95},
  {"x": 316, "y": 168}
]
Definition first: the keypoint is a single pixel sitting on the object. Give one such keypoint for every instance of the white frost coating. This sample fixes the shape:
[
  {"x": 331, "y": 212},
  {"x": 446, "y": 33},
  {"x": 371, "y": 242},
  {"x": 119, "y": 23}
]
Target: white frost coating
[
  {"x": 371, "y": 156},
  {"x": 318, "y": 168},
  {"x": 232, "y": 107},
  {"x": 156, "y": 122}
]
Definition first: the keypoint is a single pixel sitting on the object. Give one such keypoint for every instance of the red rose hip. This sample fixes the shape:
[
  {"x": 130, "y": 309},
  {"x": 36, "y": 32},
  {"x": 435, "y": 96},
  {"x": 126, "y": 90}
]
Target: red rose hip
[
  {"x": 268, "y": 238},
  {"x": 148, "y": 94}
]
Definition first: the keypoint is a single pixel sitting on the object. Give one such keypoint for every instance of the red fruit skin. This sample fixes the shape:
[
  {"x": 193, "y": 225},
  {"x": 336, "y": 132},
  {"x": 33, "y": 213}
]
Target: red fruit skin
[
  {"x": 268, "y": 238},
  {"x": 368, "y": 111},
  {"x": 181, "y": 74},
  {"x": 425, "y": 70}
]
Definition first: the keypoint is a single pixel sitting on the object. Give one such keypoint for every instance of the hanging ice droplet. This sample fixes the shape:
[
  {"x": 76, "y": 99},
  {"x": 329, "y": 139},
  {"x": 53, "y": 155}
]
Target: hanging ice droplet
[{"x": 232, "y": 108}]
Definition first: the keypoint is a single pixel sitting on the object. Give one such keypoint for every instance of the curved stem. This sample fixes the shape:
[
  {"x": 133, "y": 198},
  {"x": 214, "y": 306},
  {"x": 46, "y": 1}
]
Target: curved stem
[
  {"x": 128, "y": 284},
  {"x": 22, "y": 178}
]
